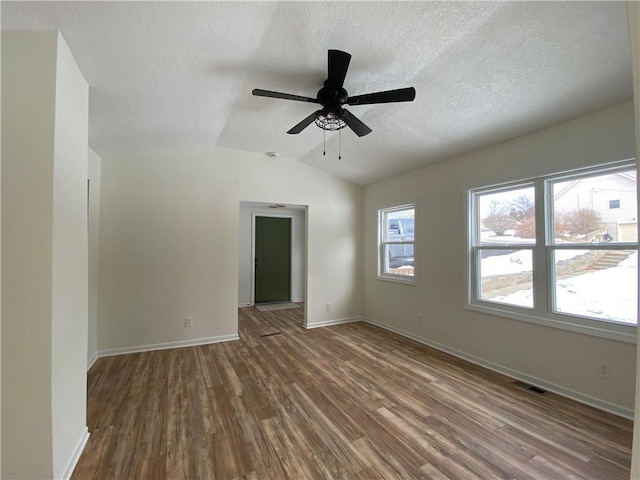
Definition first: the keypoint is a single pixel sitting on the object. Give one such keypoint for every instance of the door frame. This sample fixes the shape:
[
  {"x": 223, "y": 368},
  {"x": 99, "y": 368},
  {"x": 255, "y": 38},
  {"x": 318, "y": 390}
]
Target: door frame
[{"x": 253, "y": 251}]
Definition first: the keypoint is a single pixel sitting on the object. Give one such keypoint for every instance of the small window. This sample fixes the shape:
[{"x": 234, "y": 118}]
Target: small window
[
  {"x": 396, "y": 244},
  {"x": 614, "y": 203}
]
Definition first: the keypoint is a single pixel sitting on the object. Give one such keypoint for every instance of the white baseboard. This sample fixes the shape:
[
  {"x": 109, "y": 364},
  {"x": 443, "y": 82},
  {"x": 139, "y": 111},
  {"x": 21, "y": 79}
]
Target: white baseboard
[
  {"x": 71, "y": 464},
  {"x": 167, "y": 345},
  {"x": 515, "y": 374},
  {"x": 91, "y": 361},
  {"x": 243, "y": 305},
  {"x": 297, "y": 300},
  {"x": 328, "y": 323}
]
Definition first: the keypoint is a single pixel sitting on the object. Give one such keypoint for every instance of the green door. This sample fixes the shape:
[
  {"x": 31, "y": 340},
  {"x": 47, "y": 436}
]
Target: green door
[{"x": 273, "y": 259}]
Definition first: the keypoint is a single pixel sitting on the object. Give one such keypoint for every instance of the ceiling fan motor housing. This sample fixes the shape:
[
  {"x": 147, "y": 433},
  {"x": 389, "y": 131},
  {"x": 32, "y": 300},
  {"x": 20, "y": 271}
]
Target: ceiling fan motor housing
[
  {"x": 330, "y": 94},
  {"x": 332, "y": 99}
]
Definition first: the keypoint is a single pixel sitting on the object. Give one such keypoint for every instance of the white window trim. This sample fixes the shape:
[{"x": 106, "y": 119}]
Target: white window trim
[
  {"x": 542, "y": 313},
  {"x": 390, "y": 277}
]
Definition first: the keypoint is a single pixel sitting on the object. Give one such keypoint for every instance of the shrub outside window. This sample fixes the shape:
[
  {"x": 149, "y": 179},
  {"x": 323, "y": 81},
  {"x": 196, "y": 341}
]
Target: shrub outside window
[
  {"x": 396, "y": 259},
  {"x": 551, "y": 250}
]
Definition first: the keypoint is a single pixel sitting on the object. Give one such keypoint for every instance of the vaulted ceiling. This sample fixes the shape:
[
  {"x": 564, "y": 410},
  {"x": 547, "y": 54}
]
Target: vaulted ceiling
[{"x": 171, "y": 75}]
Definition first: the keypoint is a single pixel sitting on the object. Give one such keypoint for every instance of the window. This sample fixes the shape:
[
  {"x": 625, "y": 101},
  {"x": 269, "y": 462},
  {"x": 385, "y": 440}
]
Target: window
[
  {"x": 550, "y": 251},
  {"x": 396, "y": 244},
  {"x": 614, "y": 203}
]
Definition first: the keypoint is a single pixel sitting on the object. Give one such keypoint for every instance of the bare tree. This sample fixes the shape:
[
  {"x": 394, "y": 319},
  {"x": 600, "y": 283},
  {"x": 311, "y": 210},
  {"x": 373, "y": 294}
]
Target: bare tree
[
  {"x": 561, "y": 224},
  {"x": 499, "y": 224},
  {"x": 582, "y": 221},
  {"x": 522, "y": 208},
  {"x": 526, "y": 228},
  {"x": 499, "y": 220},
  {"x": 496, "y": 207}
]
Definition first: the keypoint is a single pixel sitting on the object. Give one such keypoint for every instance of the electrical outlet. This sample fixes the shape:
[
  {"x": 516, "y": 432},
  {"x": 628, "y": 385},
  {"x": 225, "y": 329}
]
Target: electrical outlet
[
  {"x": 328, "y": 306},
  {"x": 188, "y": 322},
  {"x": 604, "y": 369}
]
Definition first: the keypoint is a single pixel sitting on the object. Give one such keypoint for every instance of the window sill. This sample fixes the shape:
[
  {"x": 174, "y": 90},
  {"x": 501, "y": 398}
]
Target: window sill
[
  {"x": 618, "y": 332},
  {"x": 402, "y": 279}
]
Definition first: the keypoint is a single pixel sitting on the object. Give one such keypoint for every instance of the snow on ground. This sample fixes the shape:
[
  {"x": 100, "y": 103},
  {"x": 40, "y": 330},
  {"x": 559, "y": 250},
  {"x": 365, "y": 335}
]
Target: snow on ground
[
  {"x": 516, "y": 262},
  {"x": 610, "y": 294},
  {"x": 519, "y": 261},
  {"x": 490, "y": 237}
]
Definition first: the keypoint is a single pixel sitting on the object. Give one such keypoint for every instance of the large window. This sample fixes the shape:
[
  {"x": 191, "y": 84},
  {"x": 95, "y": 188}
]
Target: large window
[
  {"x": 552, "y": 250},
  {"x": 396, "y": 244}
]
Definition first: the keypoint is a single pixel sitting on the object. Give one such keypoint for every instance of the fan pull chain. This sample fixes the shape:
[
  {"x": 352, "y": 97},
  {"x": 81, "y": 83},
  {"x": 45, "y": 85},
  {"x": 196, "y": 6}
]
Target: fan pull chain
[
  {"x": 324, "y": 142},
  {"x": 340, "y": 144}
]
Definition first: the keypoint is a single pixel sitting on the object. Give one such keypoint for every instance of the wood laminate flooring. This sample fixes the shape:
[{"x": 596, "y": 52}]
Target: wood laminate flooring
[{"x": 348, "y": 401}]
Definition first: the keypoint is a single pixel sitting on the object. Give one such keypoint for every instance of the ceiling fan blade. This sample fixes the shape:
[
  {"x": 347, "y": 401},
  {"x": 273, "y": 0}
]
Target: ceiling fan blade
[
  {"x": 355, "y": 124},
  {"x": 337, "y": 69},
  {"x": 304, "y": 123},
  {"x": 286, "y": 96},
  {"x": 388, "y": 96}
]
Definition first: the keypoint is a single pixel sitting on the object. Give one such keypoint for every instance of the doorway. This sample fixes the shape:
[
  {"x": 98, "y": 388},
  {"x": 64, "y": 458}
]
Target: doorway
[
  {"x": 298, "y": 217},
  {"x": 272, "y": 261}
]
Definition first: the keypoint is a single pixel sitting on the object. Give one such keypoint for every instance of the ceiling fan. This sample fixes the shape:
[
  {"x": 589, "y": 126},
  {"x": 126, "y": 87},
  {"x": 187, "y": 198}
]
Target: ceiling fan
[{"x": 333, "y": 96}]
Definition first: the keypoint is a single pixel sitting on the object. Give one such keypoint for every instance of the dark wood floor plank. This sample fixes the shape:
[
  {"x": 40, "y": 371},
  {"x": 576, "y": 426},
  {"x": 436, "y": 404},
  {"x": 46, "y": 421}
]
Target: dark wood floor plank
[
  {"x": 229, "y": 376},
  {"x": 194, "y": 458},
  {"x": 294, "y": 462},
  {"x": 209, "y": 369},
  {"x": 383, "y": 465},
  {"x": 263, "y": 458},
  {"x": 436, "y": 449},
  {"x": 332, "y": 437},
  {"x": 349, "y": 401}
]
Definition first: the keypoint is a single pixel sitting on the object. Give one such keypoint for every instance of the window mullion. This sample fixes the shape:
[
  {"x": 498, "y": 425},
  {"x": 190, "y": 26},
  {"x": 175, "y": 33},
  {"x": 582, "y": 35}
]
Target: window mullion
[{"x": 540, "y": 262}]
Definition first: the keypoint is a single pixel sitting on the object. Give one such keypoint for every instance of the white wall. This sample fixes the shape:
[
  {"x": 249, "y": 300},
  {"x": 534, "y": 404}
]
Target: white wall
[
  {"x": 564, "y": 359},
  {"x": 44, "y": 256},
  {"x": 169, "y": 228},
  {"x": 70, "y": 261},
  {"x": 28, "y": 100},
  {"x": 245, "y": 257},
  {"x": 94, "y": 231}
]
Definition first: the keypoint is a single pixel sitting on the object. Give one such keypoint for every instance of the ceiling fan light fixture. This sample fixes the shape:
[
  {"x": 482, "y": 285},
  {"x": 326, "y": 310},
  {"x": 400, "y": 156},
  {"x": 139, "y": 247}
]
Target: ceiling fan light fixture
[{"x": 330, "y": 122}]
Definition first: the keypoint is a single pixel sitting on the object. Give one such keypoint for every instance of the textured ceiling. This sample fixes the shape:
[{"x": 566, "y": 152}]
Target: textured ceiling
[{"x": 167, "y": 75}]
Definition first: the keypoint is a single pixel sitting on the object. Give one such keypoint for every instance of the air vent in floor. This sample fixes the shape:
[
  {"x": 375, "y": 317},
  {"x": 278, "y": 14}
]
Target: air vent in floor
[{"x": 532, "y": 388}]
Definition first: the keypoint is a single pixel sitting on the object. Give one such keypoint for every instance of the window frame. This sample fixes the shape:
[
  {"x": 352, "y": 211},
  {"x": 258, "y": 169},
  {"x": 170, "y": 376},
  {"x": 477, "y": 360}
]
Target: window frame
[
  {"x": 543, "y": 250},
  {"x": 383, "y": 242}
]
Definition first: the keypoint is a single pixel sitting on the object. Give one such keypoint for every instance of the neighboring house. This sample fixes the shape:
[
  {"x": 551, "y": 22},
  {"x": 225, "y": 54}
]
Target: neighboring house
[{"x": 612, "y": 196}]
